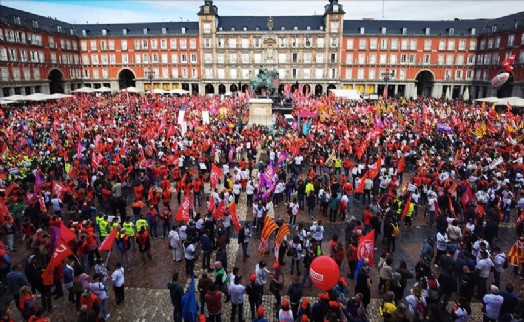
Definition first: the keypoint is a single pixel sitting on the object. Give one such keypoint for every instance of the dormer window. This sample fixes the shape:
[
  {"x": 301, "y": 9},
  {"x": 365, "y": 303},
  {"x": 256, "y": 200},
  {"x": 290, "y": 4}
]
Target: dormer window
[
  {"x": 451, "y": 31},
  {"x": 321, "y": 28},
  {"x": 84, "y": 32},
  {"x": 164, "y": 30},
  {"x": 308, "y": 27},
  {"x": 183, "y": 30},
  {"x": 516, "y": 26},
  {"x": 282, "y": 28},
  {"x": 383, "y": 30},
  {"x": 404, "y": 31},
  {"x": 104, "y": 32},
  {"x": 146, "y": 30},
  {"x": 427, "y": 31},
  {"x": 362, "y": 30},
  {"x": 232, "y": 28},
  {"x": 245, "y": 28},
  {"x": 295, "y": 28},
  {"x": 494, "y": 28},
  {"x": 220, "y": 29},
  {"x": 17, "y": 20},
  {"x": 257, "y": 28},
  {"x": 473, "y": 31},
  {"x": 71, "y": 31},
  {"x": 124, "y": 31},
  {"x": 35, "y": 23},
  {"x": 59, "y": 28},
  {"x": 335, "y": 8}
]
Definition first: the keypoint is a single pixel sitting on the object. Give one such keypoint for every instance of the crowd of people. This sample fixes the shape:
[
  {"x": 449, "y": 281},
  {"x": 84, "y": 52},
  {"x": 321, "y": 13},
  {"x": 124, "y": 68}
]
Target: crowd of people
[{"x": 134, "y": 168}]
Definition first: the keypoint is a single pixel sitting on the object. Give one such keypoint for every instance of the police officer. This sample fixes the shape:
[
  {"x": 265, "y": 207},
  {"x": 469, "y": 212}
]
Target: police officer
[{"x": 130, "y": 231}]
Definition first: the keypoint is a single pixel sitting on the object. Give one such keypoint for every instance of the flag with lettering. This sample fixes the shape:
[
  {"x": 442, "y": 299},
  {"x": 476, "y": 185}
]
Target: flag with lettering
[
  {"x": 59, "y": 190},
  {"x": 211, "y": 204},
  {"x": 269, "y": 227},
  {"x": 373, "y": 172},
  {"x": 366, "y": 247},
  {"x": 61, "y": 252},
  {"x": 216, "y": 172},
  {"x": 234, "y": 217},
  {"x": 466, "y": 197},
  {"x": 220, "y": 210},
  {"x": 183, "y": 211}
]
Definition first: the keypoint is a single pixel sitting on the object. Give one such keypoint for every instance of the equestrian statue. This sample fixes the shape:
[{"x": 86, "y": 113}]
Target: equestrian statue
[{"x": 265, "y": 81}]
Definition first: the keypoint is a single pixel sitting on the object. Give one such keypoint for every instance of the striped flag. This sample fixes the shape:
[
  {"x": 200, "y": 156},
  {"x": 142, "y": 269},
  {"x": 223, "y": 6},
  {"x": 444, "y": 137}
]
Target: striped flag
[
  {"x": 516, "y": 254},
  {"x": 406, "y": 207},
  {"x": 269, "y": 227},
  {"x": 282, "y": 233}
]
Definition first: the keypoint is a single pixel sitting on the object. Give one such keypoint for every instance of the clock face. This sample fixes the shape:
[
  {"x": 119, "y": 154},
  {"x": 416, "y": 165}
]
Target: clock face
[
  {"x": 335, "y": 7},
  {"x": 206, "y": 9}
]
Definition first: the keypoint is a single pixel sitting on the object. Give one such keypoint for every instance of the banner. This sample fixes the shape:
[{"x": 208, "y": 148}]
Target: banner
[
  {"x": 61, "y": 252},
  {"x": 466, "y": 197},
  {"x": 220, "y": 210},
  {"x": 216, "y": 172},
  {"x": 234, "y": 217},
  {"x": 107, "y": 243},
  {"x": 268, "y": 227},
  {"x": 366, "y": 247},
  {"x": 373, "y": 172},
  {"x": 360, "y": 187},
  {"x": 183, "y": 211}
]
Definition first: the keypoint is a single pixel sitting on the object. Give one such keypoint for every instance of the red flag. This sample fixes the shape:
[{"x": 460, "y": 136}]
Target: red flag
[
  {"x": 219, "y": 211},
  {"x": 41, "y": 201},
  {"x": 360, "y": 188},
  {"x": 401, "y": 165},
  {"x": 59, "y": 189},
  {"x": 107, "y": 244},
  {"x": 451, "y": 208},
  {"x": 211, "y": 207},
  {"x": 10, "y": 188},
  {"x": 406, "y": 207},
  {"x": 61, "y": 252},
  {"x": 366, "y": 247},
  {"x": 373, "y": 172},
  {"x": 66, "y": 234},
  {"x": 3, "y": 210},
  {"x": 466, "y": 197},
  {"x": 215, "y": 174},
  {"x": 183, "y": 211},
  {"x": 437, "y": 208},
  {"x": 234, "y": 217}
]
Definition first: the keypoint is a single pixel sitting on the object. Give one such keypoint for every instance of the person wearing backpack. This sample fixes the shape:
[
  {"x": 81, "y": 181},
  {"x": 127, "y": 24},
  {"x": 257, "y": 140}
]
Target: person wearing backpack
[
  {"x": 391, "y": 232},
  {"x": 500, "y": 263}
]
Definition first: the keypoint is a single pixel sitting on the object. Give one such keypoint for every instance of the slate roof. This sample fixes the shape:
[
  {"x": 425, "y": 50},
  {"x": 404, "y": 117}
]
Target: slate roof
[
  {"x": 506, "y": 23},
  {"x": 137, "y": 29},
  {"x": 289, "y": 22},
  {"x": 394, "y": 27},
  {"x": 7, "y": 16}
]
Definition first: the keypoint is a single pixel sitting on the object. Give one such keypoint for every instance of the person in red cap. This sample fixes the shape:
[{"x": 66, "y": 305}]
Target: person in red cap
[
  {"x": 285, "y": 314},
  {"x": 277, "y": 283},
  {"x": 304, "y": 310},
  {"x": 254, "y": 295},
  {"x": 260, "y": 315}
]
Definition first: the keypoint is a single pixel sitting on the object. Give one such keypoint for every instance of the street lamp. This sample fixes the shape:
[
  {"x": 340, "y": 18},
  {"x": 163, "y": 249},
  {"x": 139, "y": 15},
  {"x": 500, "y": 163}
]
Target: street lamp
[
  {"x": 150, "y": 74},
  {"x": 386, "y": 76}
]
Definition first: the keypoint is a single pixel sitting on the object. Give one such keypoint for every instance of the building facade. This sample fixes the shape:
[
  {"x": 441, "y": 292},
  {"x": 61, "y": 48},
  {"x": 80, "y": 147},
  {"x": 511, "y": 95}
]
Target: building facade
[{"x": 220, "y": 54}]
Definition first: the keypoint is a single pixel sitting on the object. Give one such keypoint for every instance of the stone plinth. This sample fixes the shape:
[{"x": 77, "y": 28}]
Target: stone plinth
[{"x": 260, "y": 112}]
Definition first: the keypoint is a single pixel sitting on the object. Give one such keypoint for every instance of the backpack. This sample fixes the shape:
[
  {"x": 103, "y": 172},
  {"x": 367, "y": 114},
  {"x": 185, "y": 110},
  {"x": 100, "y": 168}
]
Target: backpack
[
  {"x": 396, "y": 230},
  {"x": 323, "y": 198},
  {"x": 505, "y": 264}
]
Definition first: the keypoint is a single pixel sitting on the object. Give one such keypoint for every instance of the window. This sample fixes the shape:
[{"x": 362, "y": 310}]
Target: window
[
  {"x": 383, "y": 58},
  {"x": 384, "y": 43},
  {"x": 469, "y": 74},
  {"x": 458, "y": 74},
  {"x": 145, "y": 31},
  {"x": 393, "y": 59},
  {"x": 511, "y": 40},
  {"x": 373, "y": 43},
  {"x": 233, "y": 73},
  {"x": 404, "y": 31},
  {"x": 334, "y": 41},
  {"x": 258, "y": 58},
  {"x": 245, "y": 58},
  {"x": 307, "y": 58},
  {"x": 164, "y": 58},
  {"x": 124, "y": 31},
  {"x": 471, "y": 59},
  {"x": 349, "y": 73},
  {"x": 154, "y": 58},
  {"x": 94, "y": 59},
  {"x": 105, "y": 59},
  {"x": 372, "y": 73},
  {"x": 460, "y": 60},
  {"x": 403, "y": 59},
  {"x": 232, "y": 58},
  {"x": 83, "y": 45},
  {"x": 360, "y": 73},
  {"x": 333, "y": 59},
  {"x": 383, "y": 30},
  {"x": 441, "y": 59},
  {"x": 104, "y": 32},
  {"x": 306, "y": 73},
  {"x": 137, "y": 44},
  {"x": 145, "y": 44},
  {"x": 320, "y": 42},
  {"x": 123, "y": 44},
  {"x": 96, "y": 73},
  {"x": 294, "y": 41},
  {"x": 427, "y": 44},
  {"x": 192, "y": 43},
  {"x": 220, "y": 43},
  {"x": 427, "y": 31},
  {"x": 105, "y": 73},
  {"x": 257, "y": 42},
  {"x": 320, "y": 58},
  {"x": 172, "y": 43},
  {"x": 36, "y": 73},
  {"x": 245, "y": 43},
  {"x": 472, "y": 44},
  {"x": 404, "y": 44},
  {"x": 402, "y": 74},
  {"x": 16, "y": 73},
  {"x": 412, "y": 59},
  {"x": 183, "y": 43},
  {"x": 154, "y": 44},
  {"x": 362, "y": 44},
  {"x": 174, "y": 58},
  {"x": 427, "y": 59},
  {"x": 441, "y": 44},
  {"x": 232, "y": 43},
  {"x": 145, "y": 58},
  {"x": 362, "y": 30},
  {"x": 413, "y": 44},
  {"x": 184, "y": 72},
  {"x": 163, "y": 43},
  {"x": 93, "y": 44},
  {"x": 349, "y": 43},
  {"x": 349, "y": 58},
  {"x": 294, "y": 58},
  {"x": 497, "y": 42},
  {"x": 208, "y": 72},
  {"x": 282, "y": 41},
  {"x": 174, "y": 72},
  {"x": 496, "y": 59},
  {"x": 220, "y": 58},
  {"x": 221, "y": 73},
  {"x": 183, "y": 58},
  {"x": 449, "y": 59},
  {"x": 394, "y": 44},
  {"x": 319, "y": 73},
  {"x": 10, "y": 36},
  {"x": 183, "y": 30},
  {"x": 125, "y": 59},
  {"x": 361, "y": 58},
  {"x": 462, "y": 44},
  {"x": 207, "y": 43},
  {"x": 208, "y": 58},
  {"x": 103, "y": 45},
  {"x": 521, "y": 57},
  {"x": 294, "y": 73},
  {"x": 334, "y": 26},
  {"x": 451, "y": 45},
  {"x": 451, "y": 31},
  {"x": 308, "y": 42},
  {"x": 490, "y": 43},
  {"x": 245, "y": 73},
  {"x": 207, "y": 28},
  {"x": 193, "y": 58}
]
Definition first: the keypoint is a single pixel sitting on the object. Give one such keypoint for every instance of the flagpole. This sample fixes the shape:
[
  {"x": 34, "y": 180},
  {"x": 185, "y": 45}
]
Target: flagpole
[{"x": 108, "y": 255}]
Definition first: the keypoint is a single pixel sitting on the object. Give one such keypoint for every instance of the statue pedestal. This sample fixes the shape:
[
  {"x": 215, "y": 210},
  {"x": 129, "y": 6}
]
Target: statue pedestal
[{"x": 260, "y": 112}]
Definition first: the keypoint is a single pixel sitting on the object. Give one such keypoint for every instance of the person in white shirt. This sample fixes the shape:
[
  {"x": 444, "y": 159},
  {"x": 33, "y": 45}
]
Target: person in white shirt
[
  {"x": 432, "y": 204},
  {"x": 483, "y": 268},
  {"x": 258, "y": 211},
  {"x": 279, "y": 193},
  {"x": 99, "y": 289},
  {"x": 175, "y": 244},
  {"x": 236, "y": 191},
  {"x": 492, "y": 304},
  {"x": 117, "y": 277},
  {"x": 317, "y": 230},
  {"x": 461, "y": 311},
  {"x": 236, "y": 290},
  {"x": 56, "y": 205},
  {"x": 442, "y": 245},
  {"x": 250, "y": 191},
  {"x": 261, "y": 273}
]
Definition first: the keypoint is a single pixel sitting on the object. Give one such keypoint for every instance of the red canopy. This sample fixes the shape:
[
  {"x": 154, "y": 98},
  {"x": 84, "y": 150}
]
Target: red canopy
[{"x": 307, "y": 114}]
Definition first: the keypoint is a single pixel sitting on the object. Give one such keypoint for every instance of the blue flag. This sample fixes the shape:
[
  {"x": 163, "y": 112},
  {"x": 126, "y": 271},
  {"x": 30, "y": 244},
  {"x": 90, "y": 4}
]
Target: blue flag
[
  {"x": 189, "y": 303},
  {"x": 360, "y": 264}
]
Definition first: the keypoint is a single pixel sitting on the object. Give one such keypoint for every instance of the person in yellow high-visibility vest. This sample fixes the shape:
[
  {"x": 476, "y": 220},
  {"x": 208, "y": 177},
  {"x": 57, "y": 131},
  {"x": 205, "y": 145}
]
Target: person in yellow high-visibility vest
[
  {"x": 104, "y": 228},
  {"x": 141, "y": 223},
  {"x": 130, "y": 231}
]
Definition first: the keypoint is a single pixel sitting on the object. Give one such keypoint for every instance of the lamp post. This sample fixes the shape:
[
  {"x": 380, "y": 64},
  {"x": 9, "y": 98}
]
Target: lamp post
[
  {"x": 150, "y": 74},
  {"x": 386, "y": 76}
]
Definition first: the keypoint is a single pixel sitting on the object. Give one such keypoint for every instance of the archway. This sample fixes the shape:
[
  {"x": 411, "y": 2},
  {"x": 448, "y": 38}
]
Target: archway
[
  {"x": 221, "y": 89},
  {"x": 126, "y": 78},
  {"x": 56, "y": 81},
  {"x": 306, "y": 89},
  {"x": 506, "y": 89},
  {"x": 233, "y": 88},
  {"x": 294, "y": 87},
  {"x": 331, "y": 86},
  {"x": 319, "y": 90},
  {"x": 281, "y": 89},
  {"x": 424, "y": 81},
  {"x": 210, "y": 89},
  {"x": 245, "y": 88}
]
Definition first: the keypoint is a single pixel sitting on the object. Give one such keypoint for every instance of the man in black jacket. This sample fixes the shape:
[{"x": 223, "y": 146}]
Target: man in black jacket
[
  {"x": 243, "y": 239},
  {"x": 176, "y": 291},
  {"x": 295, "y": 294},
  {"x": 254, "y": 295}
]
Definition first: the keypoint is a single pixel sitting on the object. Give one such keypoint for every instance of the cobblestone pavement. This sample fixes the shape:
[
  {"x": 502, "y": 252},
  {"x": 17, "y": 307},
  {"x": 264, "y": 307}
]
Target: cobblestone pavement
[{"x": 147, "y": 298}]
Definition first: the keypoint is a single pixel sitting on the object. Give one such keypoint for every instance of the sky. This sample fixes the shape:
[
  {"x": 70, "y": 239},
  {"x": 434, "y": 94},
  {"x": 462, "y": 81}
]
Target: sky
[{"x": 122, "y": 11}]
